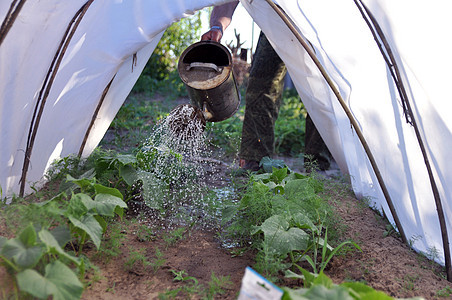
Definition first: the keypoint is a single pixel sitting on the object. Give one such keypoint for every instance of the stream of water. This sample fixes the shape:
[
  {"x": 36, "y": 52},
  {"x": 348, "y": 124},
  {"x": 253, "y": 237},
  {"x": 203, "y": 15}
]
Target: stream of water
[{"x": 175, "y": 159}]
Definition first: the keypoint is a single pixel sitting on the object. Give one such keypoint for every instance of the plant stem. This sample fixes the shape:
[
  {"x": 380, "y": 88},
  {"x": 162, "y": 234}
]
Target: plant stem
[{"x": 10, "y": 263}]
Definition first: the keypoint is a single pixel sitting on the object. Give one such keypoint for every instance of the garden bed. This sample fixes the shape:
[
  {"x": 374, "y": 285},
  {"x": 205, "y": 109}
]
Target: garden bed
[{"x": 142, "y": 258}]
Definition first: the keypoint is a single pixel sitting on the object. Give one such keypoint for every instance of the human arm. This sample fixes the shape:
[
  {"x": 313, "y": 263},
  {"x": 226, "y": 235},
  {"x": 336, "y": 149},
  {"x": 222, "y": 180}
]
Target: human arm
[{"x": 219, "y": 20}]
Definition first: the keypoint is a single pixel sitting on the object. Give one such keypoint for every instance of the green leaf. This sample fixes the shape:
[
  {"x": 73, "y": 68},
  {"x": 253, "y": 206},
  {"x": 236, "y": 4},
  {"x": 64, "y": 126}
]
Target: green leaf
[
  {"x": 83, "y": 182},
  {"x": 78, "y": 205},
  {"x": 324, "y": 280},
  {"x": 228, "y": 213},
  {"x": 23, "y": 250},
  {"x": 279, "y": 174},
  {"x": 87, "y": 202},
  {"x": 2, "y": 242},
  {"x": 358, "y": 287},
  {"x": 102, "y": 222},
  {"x": 106, "y": 203},
  {"x": 57, "y": 198},
  {"x": 279, "y": 190},
  {"x": 260, "y": 188},
  {"x": 62, "y": 234},
  {"x": 90, "y": 225},
  {"x": 291, "y": 274},
  {"x": 320, "y": 292},
  {"x": 101, "y": 189},
  {"x": 129, "y": 174},
  {"x": 294, "y": 176},
  {"x": 303, "y": 221},
  {"x": 281, "y": 238},
  {"x": 309, "y": 277},
  {"x": 54, "y": 247},
  {"x": 268, "y": 164},
  {"x": 263, "y": 177},
  {"x": 28, "y": 236},
  {"x": 299, "y": 189},
  {"x": 291, "y": 294},
  {"x": 119, "y": 211},
  {"x": 59, "y": 281},
  {"x": 271, "y": 185},
  {"x": 126, "y": 159}
]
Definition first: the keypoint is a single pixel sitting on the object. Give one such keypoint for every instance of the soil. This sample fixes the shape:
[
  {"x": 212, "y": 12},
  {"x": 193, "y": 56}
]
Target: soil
[{"x": 385, "y": 263}]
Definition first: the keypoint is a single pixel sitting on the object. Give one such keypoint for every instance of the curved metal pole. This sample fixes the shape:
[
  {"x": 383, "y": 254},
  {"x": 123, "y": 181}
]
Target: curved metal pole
[
  {"x": 45, "y": 90},
  {"x": 292, "y": 28},
  {"x": 392, "y": 65},
  {"x": 10, "y": 18}
]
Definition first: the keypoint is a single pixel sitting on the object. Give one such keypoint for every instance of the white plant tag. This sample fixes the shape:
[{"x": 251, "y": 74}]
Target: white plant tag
[{"x": 254, "y": 286}]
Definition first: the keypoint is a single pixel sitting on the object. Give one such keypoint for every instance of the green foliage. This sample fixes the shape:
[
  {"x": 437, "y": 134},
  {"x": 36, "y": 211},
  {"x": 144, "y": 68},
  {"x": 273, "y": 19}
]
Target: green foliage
[
  {"x": 181, "y": 276},
  {"x": 112, "y": 242},
  {"x": 285, "y": 216},
  {"x": 191, "y": 288},
  {"x": 319, "y": 286},
  {"x": 59, "y": 281},
  {"x": 159, "y": 260},
  {"x": 174, "y": 236},
  {"x": 320, "y": 246},
  {"x": 31, "y": 252},
  {"x": 37, "y": 257},
  {"x": 217, "y": 285},
  {"x": 290, "y": 125},
  {"x": 445, "y": 292},
  {"x": 137, "y": 258},
  {"x": 160, "y": 72},
  {"x": 268, "y": 164}
]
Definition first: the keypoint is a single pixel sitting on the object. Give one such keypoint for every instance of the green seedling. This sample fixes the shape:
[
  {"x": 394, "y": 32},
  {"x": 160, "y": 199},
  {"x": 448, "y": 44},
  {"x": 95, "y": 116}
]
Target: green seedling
[
  {"x": 181, "y": 276},
  {"x": 159, "y": 260},
  {"x": 174, "y": 236},
  {"x": 217, "y": 286},
  {"x": 137, "y": 258}
]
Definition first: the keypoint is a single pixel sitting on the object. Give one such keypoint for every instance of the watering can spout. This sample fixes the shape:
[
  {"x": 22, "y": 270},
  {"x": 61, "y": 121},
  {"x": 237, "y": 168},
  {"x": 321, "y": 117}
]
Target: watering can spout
[{"x": 206, "y": 70}]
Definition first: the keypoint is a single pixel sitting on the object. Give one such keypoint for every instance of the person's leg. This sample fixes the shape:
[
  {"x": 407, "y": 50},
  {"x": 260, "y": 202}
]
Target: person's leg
[
  {"x": 263, "y": 98},
  {"x": 316, "y": 151}
]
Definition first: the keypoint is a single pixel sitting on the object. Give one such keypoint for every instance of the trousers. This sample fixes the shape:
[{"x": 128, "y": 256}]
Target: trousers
[{"x": 262, "y": 102}]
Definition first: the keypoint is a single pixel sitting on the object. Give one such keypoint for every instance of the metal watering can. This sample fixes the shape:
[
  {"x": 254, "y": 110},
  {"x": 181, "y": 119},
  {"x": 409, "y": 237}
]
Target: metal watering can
[{"x": 206, "y": 70}]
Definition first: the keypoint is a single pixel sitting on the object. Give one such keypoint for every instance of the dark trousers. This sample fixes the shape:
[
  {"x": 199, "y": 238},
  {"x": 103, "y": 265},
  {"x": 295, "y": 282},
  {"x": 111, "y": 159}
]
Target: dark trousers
[{"x": 263, "y": 99}]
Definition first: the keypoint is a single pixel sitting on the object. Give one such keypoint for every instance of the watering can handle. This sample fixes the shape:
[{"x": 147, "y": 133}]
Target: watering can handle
[{"x": 203, "y": 65}]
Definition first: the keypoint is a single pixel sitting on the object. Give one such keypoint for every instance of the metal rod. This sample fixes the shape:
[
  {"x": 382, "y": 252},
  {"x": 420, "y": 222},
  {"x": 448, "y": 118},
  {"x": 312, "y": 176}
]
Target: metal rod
[
  {"x": 93, "y": 119},
  {"x": 395, "y": 72},
  {"x": 294, "y": 30},
  {"x": 45, "y": 90},
  {"x": 10, "y": 18}
]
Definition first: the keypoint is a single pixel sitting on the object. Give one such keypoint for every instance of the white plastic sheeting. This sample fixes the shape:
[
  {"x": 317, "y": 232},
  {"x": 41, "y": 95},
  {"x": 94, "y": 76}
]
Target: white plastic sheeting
[
  {"x": 416, "y": 31},
  {"x": 111, "y": 32},
  {"x": 102, "y": 48}
]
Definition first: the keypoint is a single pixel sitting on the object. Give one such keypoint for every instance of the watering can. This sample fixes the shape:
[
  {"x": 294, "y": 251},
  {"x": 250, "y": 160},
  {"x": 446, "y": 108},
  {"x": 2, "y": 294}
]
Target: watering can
[{"x": 206, "y": 70}]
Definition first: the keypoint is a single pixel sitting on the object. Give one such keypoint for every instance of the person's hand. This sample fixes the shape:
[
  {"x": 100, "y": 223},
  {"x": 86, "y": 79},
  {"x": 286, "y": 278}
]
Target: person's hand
[{"x": 214, "y": 34}]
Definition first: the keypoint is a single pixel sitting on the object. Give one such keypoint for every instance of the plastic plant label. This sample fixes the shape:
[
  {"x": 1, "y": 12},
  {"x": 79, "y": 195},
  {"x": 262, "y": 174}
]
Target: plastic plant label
[{"x": 254, "y": 286}]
